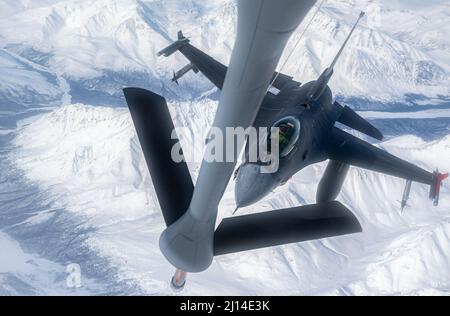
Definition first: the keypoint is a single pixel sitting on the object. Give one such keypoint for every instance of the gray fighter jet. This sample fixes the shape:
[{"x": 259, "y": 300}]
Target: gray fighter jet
[{"x": 307, "y": 115}]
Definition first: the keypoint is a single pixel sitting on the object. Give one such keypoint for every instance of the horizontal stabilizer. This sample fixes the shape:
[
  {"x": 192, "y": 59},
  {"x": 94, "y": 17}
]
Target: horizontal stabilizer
[
  {"x": 154, "y": 127},
  {"x": 351, "y": 119},
  {"x": 285, "y": 226}
]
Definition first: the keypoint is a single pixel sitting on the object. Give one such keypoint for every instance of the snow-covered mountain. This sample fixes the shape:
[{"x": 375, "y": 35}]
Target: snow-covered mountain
[
  {"x": 399, "y": 53},
  {"x": 74, "y": 187},
  {"x": 91, "y": 165}
]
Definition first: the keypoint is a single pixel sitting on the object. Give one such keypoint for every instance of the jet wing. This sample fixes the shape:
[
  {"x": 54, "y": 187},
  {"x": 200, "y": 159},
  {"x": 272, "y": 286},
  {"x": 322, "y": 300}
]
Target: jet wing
[
  {"x": 208, "y": 66},
  {"x": 352, "y": 150}
]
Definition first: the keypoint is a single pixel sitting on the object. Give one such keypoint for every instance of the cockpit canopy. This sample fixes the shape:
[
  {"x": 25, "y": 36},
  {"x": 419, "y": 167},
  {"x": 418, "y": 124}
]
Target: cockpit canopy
[{"x": 289, "y": 133}]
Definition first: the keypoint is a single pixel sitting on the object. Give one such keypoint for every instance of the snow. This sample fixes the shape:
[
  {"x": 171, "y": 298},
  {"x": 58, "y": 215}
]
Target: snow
[
  {"x": 74, "y": 186},
  {"x": 91, "y": 157},
  {"x": 20, "y": 79},
  {"x": 86, "y": 38},
  {"x": 26, "y": 274}
]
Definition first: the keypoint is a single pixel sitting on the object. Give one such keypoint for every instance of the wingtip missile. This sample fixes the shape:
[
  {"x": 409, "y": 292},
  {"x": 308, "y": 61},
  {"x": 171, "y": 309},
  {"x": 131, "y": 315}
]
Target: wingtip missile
[
  {"x": 436, "y": 186},
  {"x": 172, "y": 48}
]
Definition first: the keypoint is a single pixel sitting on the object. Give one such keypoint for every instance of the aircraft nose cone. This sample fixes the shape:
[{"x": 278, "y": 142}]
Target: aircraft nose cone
[{"x": 252, "y": 185}]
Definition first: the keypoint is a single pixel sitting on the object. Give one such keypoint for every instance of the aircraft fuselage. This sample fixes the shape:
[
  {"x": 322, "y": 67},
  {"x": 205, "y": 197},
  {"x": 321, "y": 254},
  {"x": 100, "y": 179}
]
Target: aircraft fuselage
[{"x": 316, "y": 121}]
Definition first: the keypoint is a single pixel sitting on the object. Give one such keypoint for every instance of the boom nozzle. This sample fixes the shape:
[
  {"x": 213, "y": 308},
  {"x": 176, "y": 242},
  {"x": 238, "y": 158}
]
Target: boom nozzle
[{"x": 178, "y": 280}]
